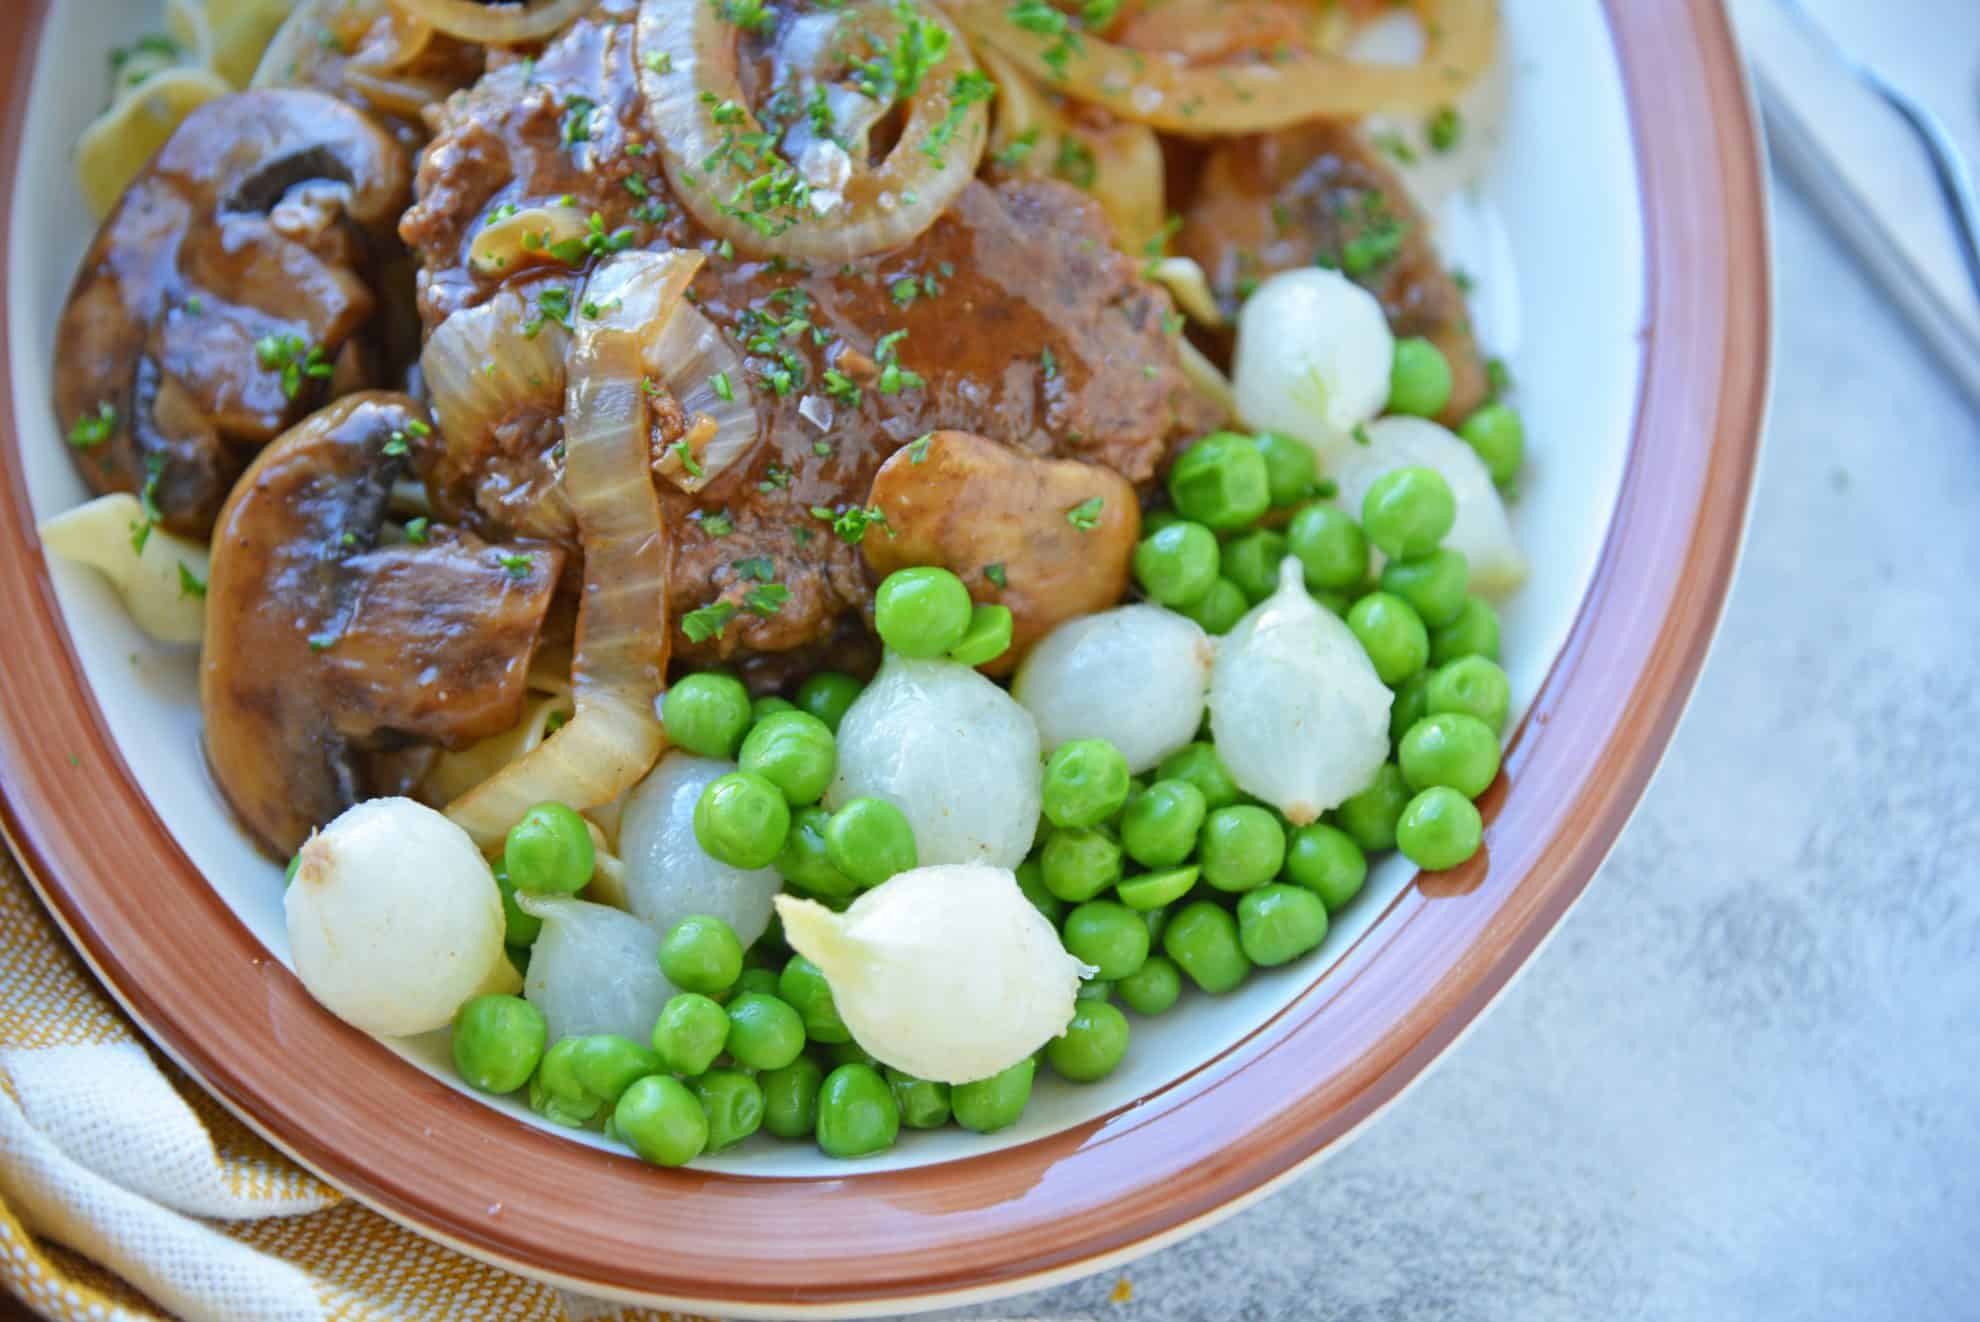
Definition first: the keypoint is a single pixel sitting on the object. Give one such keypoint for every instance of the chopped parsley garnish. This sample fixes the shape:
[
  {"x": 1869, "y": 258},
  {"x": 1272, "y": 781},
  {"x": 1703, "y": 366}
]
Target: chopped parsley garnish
[
  {"x": 718, "y": 524},
  {"x": 1040, "y": 17},
  {"x": 918, "y": 449},
  {"x": 1498, "y": 377},
  {"x": 1396, "y": 146},
  {"x": 1013, "y": 153},
  {"x": 94, "y": 428},
  {"x": 1360, "y": 434},
  {"x": 775, "y": 478},
  {"x": 295, "y": 358},
  {"x": 707, "y": 621},
  {"x": 722, "y": 387},
  {"x": 577, "y": 120},
  {"x": 1172, "y": 323},
  {"x": 969, "y": 88},
  {"x": 190, "y": 584},
  {"x": 851, "y": 523},
  {"x": 595, "y": 242},
  {"x": 659, "y": 62},
  {"x": 552, "y": 305},
  {"x": 1378, "y": 241},
  {"x": 321, "y": 642},
  {"x": 1048, "y": 362},
  {"x": 416, "y": 530},
  {"x": 1085, "y": 516},
  {"x": 196, "y": 306},
  {"x": 767, "y": 599},
  {"x": 1075, "y": 163},
  {"x": 689, "y": 464},
  {"x": 893, "y": 377},
  {"x": 637, "y": 186},
  {"x": 1097, "y": 14},
  {"x": 896, "y": 74},
  {"x": 749, "y": 15},
  {"x": 841, "y": 387},
  {"x": 995, "y": 573},
  {"x": 823, "y": 449},
  {"x": 758, "y": 567},
  {"x": 1446, "y": 129},
  {"x": 554, "y": 722},
  {"x": 905, "y": 290}
]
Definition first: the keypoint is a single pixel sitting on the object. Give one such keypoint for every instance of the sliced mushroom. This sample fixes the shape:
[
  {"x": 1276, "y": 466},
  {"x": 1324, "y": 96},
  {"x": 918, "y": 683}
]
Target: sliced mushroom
[
  {"x": 1058, "y": 533},
  {"x": 327, "y": 643},
  {"x": 223, "y": 295}
]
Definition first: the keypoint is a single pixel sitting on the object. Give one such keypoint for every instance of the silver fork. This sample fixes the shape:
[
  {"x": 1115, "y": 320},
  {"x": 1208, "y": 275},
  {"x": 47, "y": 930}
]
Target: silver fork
[{"x": 1949, "y": 166}]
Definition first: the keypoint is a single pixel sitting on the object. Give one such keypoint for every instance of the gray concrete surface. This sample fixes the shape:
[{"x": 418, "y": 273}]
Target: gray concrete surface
[{"x": 1741, "y": 1083}]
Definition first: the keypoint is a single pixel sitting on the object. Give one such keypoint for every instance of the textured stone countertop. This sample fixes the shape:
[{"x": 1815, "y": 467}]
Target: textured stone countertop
[{"x": 1743, "y": 1082}]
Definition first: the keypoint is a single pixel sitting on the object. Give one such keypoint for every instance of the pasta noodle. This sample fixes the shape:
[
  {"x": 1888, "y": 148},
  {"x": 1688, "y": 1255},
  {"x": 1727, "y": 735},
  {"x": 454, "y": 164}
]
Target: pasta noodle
[{"x": 161, "y": 577}]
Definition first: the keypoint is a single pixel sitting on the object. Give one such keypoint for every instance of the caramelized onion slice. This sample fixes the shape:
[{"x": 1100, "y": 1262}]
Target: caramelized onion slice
[
  {"x": 506, "y": 23},
  {"x": 690, "y": 357},
  {"x": 620, "y": 662},
  {"x": 811, "y": 210},
  {"x": 1164, "y": 91}
]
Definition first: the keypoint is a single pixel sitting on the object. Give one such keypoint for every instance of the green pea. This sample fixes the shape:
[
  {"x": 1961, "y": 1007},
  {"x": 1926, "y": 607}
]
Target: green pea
[
  {"x": 1391, "y": 634},
  {"x": 1159, "y": 828},
  {"x": 793, "y": 751},
  {"x": 1499, "y": 437},
  {"x": 869, "y": 840},
  {"x": 922, "y": 1104},
  {"x": 1092, "y": 1044},
  {"x": 1475, "y": 632},
  {"x": 1157, "y": 519},
  {"x": 1242, "y": 846},
  {"x": 1157, "y": 919},
  {"x": 1278, "y": 924},
  {"x": 733, "y": 1104},
  {"x": 1086, "y": 782},
  {"x": 1450, "y": 749},
  {"x": 802, "y": 986},
  {"x": 790, "y": 1098},
  {"x": 1332, "y": 549},
  {"x": 1202, "y": 938},
  {"x": 1199, "y": 764},
  {"x": 690, "y": 1032},
  {"x": 581, "y": 1076},
  {"x": 1252, "y": 562},
  {"x": 995, "y": 1103},
  {"x": 764, "y": 1033},
  {"x": 1412, "y": 704},
  {"x": 520, "y": 928},
  {"x": 1093, "y": 989},
  {"x": 549, "y": 852},
  {"x": 921, "y": 612},
  {"x": 1290, "y": 471},
  {"x": 857, "y": 1114},
  {"x": 1335, "y": 603},
  {"x": 1152, "y": 988},
  {"x": 1176, "y": 564},
  {"x": 1370, "y": 816},
  {"x": 1221, "y": 608},
  {"x": 1407, "y": 511},
  {"x": 1470, "y": 685},
  {"x": 850, "y": 1053},
  {"x": 1031, "y": 880},
  {"x": 706, "y": 714},
  {"x": 1419, "y": 378},
  {"x": 701, "y": 954},
  {"x": 827, "y": 695},
  {"x": 1109, "y": 936},
  {"x": 987, "y": 636},
  {"x": 1221, "y": 482},
  {"x": 742, "y": 819},
  {"x": 769, "y": 705},
  {"x": 1327, "y": 861},
  {"x": 1439, "y": 829},
  {"x": 805, "y": 862},
  {"x": 661, "y": 1120},
  {"x": 1079, "y": 862},
  {"x": 498, "y": 1042},
  {"x": 758, "y": 979},
  {"x": 1152, "y": 890},
  {"x": 1434, "y": 585}
]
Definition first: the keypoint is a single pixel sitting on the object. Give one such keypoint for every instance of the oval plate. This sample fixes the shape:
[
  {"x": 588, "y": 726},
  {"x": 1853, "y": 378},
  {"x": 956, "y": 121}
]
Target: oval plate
[{"x": 171, "y": 950}]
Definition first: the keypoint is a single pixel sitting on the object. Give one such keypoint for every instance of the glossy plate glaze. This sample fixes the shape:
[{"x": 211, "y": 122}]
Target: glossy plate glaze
[{"x": 1630, "y": 191}]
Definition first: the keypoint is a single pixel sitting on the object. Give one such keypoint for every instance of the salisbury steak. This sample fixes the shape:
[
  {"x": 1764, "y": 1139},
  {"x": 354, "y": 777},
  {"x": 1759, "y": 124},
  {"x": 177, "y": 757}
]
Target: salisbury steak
[{"x": 1013, "y": 318}]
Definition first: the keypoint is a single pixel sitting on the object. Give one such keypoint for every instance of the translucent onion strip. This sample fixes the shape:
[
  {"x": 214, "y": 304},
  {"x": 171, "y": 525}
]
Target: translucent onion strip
[
  {"x": 1168, "y": 93},
  {"x": 507, "y": 23},
  {"x": 524, "y": 238},
  {"x": 688, "y": 73},
  {"x": 688, "y": 358},
  {"x": 622, "y": 632}
]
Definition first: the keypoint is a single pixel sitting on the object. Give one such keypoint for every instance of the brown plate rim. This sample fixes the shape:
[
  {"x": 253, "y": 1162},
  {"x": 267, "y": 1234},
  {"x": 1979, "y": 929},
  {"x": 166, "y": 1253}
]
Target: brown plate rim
[{"x": 431, "y": 1158}]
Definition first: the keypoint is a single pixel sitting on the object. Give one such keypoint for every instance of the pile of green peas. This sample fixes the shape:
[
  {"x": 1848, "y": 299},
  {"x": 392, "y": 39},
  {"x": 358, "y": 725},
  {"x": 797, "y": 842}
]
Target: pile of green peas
[
  {"x": 1158, "y": 882},
  {"x": 752, "y": 1041}
]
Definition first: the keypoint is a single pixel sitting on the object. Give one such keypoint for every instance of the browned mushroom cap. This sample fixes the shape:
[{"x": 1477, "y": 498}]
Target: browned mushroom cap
[
  {"x": 325, "y": 643},
  {"x": 969, "y": 504},
  {"x": 224, "y": 292}
]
